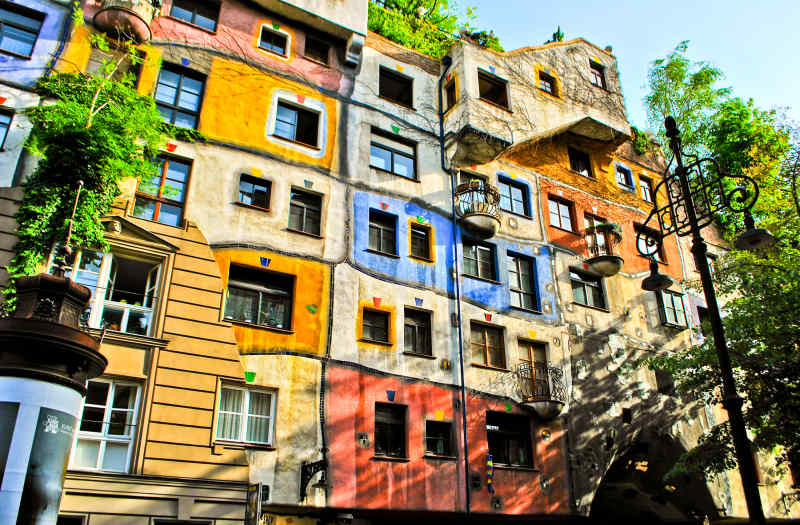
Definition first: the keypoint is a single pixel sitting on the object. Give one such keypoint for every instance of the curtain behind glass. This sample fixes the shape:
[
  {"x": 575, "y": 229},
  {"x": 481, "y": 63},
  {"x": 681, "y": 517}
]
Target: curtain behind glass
[{"x": 230, "y": 414}]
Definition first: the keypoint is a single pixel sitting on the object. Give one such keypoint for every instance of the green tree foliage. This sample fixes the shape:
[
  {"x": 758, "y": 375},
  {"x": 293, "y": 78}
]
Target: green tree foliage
[
  {"x": 641, "y": 140},
  {"x": 428, "y": 26},
  {"x": 558, "y": 36}
]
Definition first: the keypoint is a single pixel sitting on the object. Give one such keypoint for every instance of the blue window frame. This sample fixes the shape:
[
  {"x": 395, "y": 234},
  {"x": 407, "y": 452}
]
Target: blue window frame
[
  {"x": 513, "y": 196},
  {"x": 625, "y": 177},
  {"x": 19, "y": 29},
  {"x": 178, "y": 95}
]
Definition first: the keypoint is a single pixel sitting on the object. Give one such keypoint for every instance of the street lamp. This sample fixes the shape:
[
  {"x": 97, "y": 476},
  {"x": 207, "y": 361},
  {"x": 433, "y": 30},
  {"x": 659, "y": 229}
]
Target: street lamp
[{"x": 695, "y": 191}]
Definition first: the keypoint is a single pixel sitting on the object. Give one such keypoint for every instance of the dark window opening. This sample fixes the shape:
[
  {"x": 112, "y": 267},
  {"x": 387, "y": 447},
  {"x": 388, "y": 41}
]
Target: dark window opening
[
  {"x": 417, "y": 332},
  {"x": 597, "y": 74},
  {"x": 5, "y": 125},
  {"x": 522, "y": 282},
  {"x": 375, "y": 325},
  {"x": 382, "y": 232},
  {"x": 513, "y": 197},
  {"x": 450, "y": 95},
  {"x": 509, "y": 438},
  {"x": 305, "y": 211},
  {"x": 587, "y": 289},
  {"x": 272, "y": 41},
  {"x": 420, "y": 241},
  {"x": 647, "y": 189},
  {"x": 439, "y": 438},
  {"x": 297, "y": 124},
  {"x": 202, "y": 14},
  {"x": 393, "y": 154},
  {"x": 547, "y": 83},
  {"x": 161, "y": 198},
  {"x": 479, "y": 260},
  {"x": 492, "y": 89},
  {"x": 19, "y": 29},
  {"x": 260, "y": 297},
  {"x": 579, "y": 162},
  {"x": 317, "y": 50},
  {"x": 625, "y": 177},
  {"x": 487, "y": 345},
  {"x": 705, "y": 321},
  {"x": 390, "y": 430},
  {"x": 560, "y": 213},
  {"x": 254, "y": 191},
  {"x": 178, "y": 94},
  {"x": 395, "y": 87}
]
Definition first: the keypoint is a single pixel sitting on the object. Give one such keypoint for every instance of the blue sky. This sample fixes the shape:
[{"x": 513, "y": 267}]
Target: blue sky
[{"x": 755, "y": 43}]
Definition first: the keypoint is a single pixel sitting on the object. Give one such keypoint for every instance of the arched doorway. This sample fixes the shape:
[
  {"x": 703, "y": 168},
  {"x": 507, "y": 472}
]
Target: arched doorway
[{"x": 634, "y": 491}]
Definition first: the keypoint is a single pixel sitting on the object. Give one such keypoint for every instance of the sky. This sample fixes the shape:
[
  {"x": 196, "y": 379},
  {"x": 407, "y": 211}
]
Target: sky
[{"x": 756, "y": 44}]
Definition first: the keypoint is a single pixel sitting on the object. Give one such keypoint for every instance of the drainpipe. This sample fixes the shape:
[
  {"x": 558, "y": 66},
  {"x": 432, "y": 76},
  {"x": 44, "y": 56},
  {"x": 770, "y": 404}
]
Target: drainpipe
[
  {"x": 63, "y": 43},
  {"x": 447, "y": 61}
]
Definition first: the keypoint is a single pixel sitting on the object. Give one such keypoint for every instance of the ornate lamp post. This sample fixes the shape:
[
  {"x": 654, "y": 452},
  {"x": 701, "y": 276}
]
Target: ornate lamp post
[{"x": 695, "y": 190}]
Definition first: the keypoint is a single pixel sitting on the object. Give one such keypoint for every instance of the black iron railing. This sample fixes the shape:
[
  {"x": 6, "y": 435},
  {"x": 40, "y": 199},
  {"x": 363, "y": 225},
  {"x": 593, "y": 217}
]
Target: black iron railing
[
  {"x": 477, "y": 198},
  {"x": 541, "y": 382}
]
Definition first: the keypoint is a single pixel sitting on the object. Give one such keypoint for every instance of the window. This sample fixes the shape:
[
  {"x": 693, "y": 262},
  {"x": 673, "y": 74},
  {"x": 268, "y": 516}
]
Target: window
[
  {"x": 375, "y": 326},
  {"x": 513, "y": 196},
  {"x": 579, "y": 162},
  {"x": 521, "y": 282},
  {"x": 596, "y": 242},
  {"x": 305, "y": 212},
  {"x": 647, "y": 189},
  {"x": 179, "y": 92},
  {"x": 392, "y": 154},
  {"x": 644, "y": 233},
  {"x": 509, "y": 438},
  {"x": 450, "y": 95},
  {"x": 625, "y": 177},
  {"x": 487, "y": 345},
  {"x": 273, "y": 41},
  {"x": 492, "y": 89},
  {"x": 108, "y": 424},
  {"x": 547, "y": 83},
  {"x": 479, "y": 260},
  {"x": 297, "y": 124},
  {"x": 202, "y": 14},
  {"x": 254, "y": 191},
  {"x": 260, "y": 297},
  {"x": 124, "y": 290},
  {"x": 417, "y": 332},
  {"x": 161, "y": 199},
  {"x": 704, "y": 321},
  {"x": 390, "y": 430},
  {"x": 597, "y": 74},
  {"x": 5, "y": 125},
  {"x": 395, "y": 87},
  {"x": 317, "y": 50},
  {"x": 382, "y": 232},
  {"x": 535, "y": 354},
  {"x": 19, "y": 29},
  {"x": 246, "y": 415},
  {"x": 439, "y": 438},
  {"x": 420, "y": 242},
  {"x": 587, "y": 289},
  {"x": 560, "y": 213},
  {"x": 672, "y": 311}
]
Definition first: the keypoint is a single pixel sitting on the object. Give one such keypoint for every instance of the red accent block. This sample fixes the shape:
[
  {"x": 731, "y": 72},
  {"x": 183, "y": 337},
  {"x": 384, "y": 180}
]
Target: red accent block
[
  {"x": 488, "y": 317},
  {"x": 171, "y": 147},
  {"x": 384, "y": 206},
  {"x": 3, "y": 100},
  {"x": 376, "y": 301},
  {"x": 301, "y": 99}
]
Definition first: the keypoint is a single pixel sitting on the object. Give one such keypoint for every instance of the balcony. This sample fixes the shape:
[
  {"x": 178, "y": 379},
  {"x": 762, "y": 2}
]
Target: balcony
[
  {"x": 542, "y": 388},
  {"x": 477, "y": 208},
  {"x": 600, "y": 242},
  {"x": 127, "y": 19}
]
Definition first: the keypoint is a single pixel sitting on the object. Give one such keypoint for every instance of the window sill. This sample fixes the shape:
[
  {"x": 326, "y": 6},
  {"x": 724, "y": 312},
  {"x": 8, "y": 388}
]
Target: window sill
[
  {"x": 385, "y": 254},
  {"x": 520, "y": 215},
  {"x": 251, "y": 206},
  {"x": 17, "y": 55},
  {"x": 180, "y": 226},
  {"x": 592, "y": 307},
  {"x": 411, "y": 108},
  {"x": 551, "y": 95},
  {"x": 184, "y": 22},
  {"x": 495, "y": 104},
  {"x": 490, "y": 367},
  {"x": 238, "y": 445},
  {"x": 627, "y": 188},
  {"x": 142, "y": 341},
  {"x": 375, "y": 341},
  {"x": 416, "y": 354},
  {"x": 515, "y": 467},
  {"x": 320, "y": 62},
  {"x": 440, "y": 458},
  {"x": 526, "y": 310},
  {"x": 675, "y": 326},
  {"x": 420, "y": 258},
  {"x": 482, "y": 279},
  {"x": 271, "y": 52},
  {"x": 293, "y": 141},
  {"x": 576, "y": 234},
  {"x": 583, "y": 175},
  {"x": 261, "y": 326},
  {"x": 390, "y": 458},
  {"x": 388, "y": 172},
  {"x": 301, "y": 232}
]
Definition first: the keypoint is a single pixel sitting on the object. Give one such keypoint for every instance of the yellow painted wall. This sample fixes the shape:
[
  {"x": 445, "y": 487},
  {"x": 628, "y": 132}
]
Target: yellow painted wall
[{"x": 310, "y": 309}]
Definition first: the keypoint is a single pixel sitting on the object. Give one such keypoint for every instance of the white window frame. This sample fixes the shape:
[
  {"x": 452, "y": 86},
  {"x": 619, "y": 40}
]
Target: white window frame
[
  {"x": 244, "y": 414},
  {"x": 646, "y": 188},
  {"x": 103, "y": 437},
  {"x": 676, "y": 300}
]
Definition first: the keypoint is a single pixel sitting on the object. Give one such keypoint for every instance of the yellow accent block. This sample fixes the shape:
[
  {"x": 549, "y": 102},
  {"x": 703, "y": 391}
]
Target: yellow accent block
[
  {"x": 439, "y": 415},
  {"x": 150, "y": 69},
  {"x": 399, "y": 68},
  {"x": 256, "y": 172},
  {"x": 532, "y": 334},
  {"x": 76, "y": 55},
  {"x": 367, "y": 344},
  {"x": 309, "y": 329}
]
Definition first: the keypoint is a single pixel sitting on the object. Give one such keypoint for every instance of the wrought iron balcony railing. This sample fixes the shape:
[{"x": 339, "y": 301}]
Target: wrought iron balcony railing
[
  {"x": 477, "y": 207},
  {"x": 541, "y": 382}
]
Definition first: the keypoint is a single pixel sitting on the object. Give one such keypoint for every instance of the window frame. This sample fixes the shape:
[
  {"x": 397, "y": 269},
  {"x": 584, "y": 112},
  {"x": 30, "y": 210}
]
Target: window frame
[
  {"x": 561, "y": 203},
  {"x": 159, "y": 199},
  {"x": 173, "y": 107},
  {"x": 510, "y": 184},
  {"x": 597, "y": 71},
  {"x": 423, "y": 322},
  {"x": 306, "y": 208},
  {"x": 5, "y": 126},
  {"x": 385, "y": 316},
  {"x": 264, "y": 287},
  {"x": 646, "y": 188},
  {"x": 662, "y": 309},
  {"x": 400, "y": 413},
  {"x": 533, "y": 292},
  {"x": 29, "y": 13},
  {"x": 103, "y": 437},
  {"x": 384, "y": 223},
  {"x": 449, "y": 447},
  {"x": 310, "y": 37},
  {"x": 389, "y": 74},
  {"x": 599, "y": 241},
  {"x": 588, "y": 280},
  {"x": 538, "y": 367},
  {"x": 194, "y": 15},
  {"x": 394, "y": 152},
  {"x": 479, "y": 247},
  {"x": 300, "y": 111},
  {"x": 524, "y": 435},
  {"x": 428, "y": 232},
  {"x": 251, "y": 179},
  {"x": 286, "y": 41},
  {"x": 484, "y": 328},
  {"x": 496, "y": 81},
  {"x": 546, "y": 78},
  {"x": 450, "y": 95},
  {"x": 627, "y": 174},
  {"x": 576, "y": 157},
  {"x": 243, "y": 415}
]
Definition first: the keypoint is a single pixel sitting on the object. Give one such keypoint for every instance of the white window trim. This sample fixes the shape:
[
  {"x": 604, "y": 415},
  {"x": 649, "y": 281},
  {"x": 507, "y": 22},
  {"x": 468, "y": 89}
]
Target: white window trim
[
  {"x": 269, "y": 27},
  {"x": 244, "y": 414},
  {"x": 102, "y": 437}
]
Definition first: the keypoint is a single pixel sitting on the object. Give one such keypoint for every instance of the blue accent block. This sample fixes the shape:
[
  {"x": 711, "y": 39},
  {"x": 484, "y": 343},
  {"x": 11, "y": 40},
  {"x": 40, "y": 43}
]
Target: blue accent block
[
  {"x": 265, "y": 261},
  {"x": 418, "y": 301},
  {"x": 390, "y": 395},
  {"x": 185, "y": 62}
]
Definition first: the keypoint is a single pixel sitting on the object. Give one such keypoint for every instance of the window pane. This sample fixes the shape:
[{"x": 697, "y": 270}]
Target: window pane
[
  {"x": 380, "y": 158},
  {"x": 287, "y": 114},
  {"x": 92, "y": 419},
  {"x": 115, "y": 457},
  {"x": 231, "y": 400},
  {"x": 285, "y": 130},
  {"x": 273, "y": 311},
  {"x": 579, "y": 293},
  {"x": 138, "y": 322},
  {"x": 17, "y": 41},
  {"x": 120, "y": 423},
  {"x": 404, "y": 166},
  {"x": 86, "y": 452},
  {"x": 144, "y": 208},
  {"x": 112, "y": 318},
  {"x": 124, "y": 396},
  {"x": 170, "y": 215},
  {"x": 257, "y": 429},
  {"x": 242, "y": 304},
  {"x": 596, "y": 297},
  {"x": 97, "y": 393},
  {"x": 229, "y": 426}
]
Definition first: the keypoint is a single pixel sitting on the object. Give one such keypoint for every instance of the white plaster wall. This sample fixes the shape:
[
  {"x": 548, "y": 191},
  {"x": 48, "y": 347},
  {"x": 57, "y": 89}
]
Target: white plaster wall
[{"x": 16, "y": 101}]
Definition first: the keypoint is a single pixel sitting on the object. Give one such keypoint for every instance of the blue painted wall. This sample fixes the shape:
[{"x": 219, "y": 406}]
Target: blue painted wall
[{"x": 27, "y": 71}]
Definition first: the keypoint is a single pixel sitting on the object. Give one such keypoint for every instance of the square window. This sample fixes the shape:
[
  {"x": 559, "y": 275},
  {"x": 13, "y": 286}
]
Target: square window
[
  {"x": 547, "y": 83},
  {"x": 450, "y": 95},
  {"x": 647, "y": 188},
  {"x": 390, "y": 430},
  {"x": 391, "y": 153},
  {"x": 297, "y": 124},
  {"x": 178, "y": 95},
  {"x": 5, "y": 125},
  {"x": 420, "y": 242},
  {"x": 305, "y": 211},
  {"x": 254, "y": 191},
  {"x": 625, "y": 177},
  {"x": 107, "y": 427},
  {"x": 479, "y": 260},
  {"x": 202, "y": 14},
  {"x": 513, "y": 196},
  {"x": 643, "y": 233},
  {"x": 260, "y": 297},
  {"x": 671, "y": 308},
  {"x": 492, "y": 89},
  {"x": 273, "y": 41},
  {"x": 522, "y": 282},
  {"x": 19, "y": 29},
  {"x": 439, "y": 438},
  {"x": 509, "y": 438},
  {"x": 382, "y": 232},
  {"x": 579, "y": 162},
  {"x": 246, "y": 415},
  {"x": 587, "y": 289},
  {"x": 417, "y": 331},
  {"x": 597, "y": 75},
  {"x": 487, "y": 345},
  {"x": 375, "y": 325},
  {"x": 317, "y": 50},
  {"x": 596, "y": 242},
  {"x": 161, "y": 199},
  {"x": 560, "y": 213},
  {"x": 395, "y": 87},
  {"x": 535, "y": 374}
]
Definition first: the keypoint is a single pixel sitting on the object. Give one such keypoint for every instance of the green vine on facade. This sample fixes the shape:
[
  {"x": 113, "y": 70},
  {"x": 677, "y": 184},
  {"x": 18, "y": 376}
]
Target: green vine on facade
[{"x": 641, "y": 141}]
